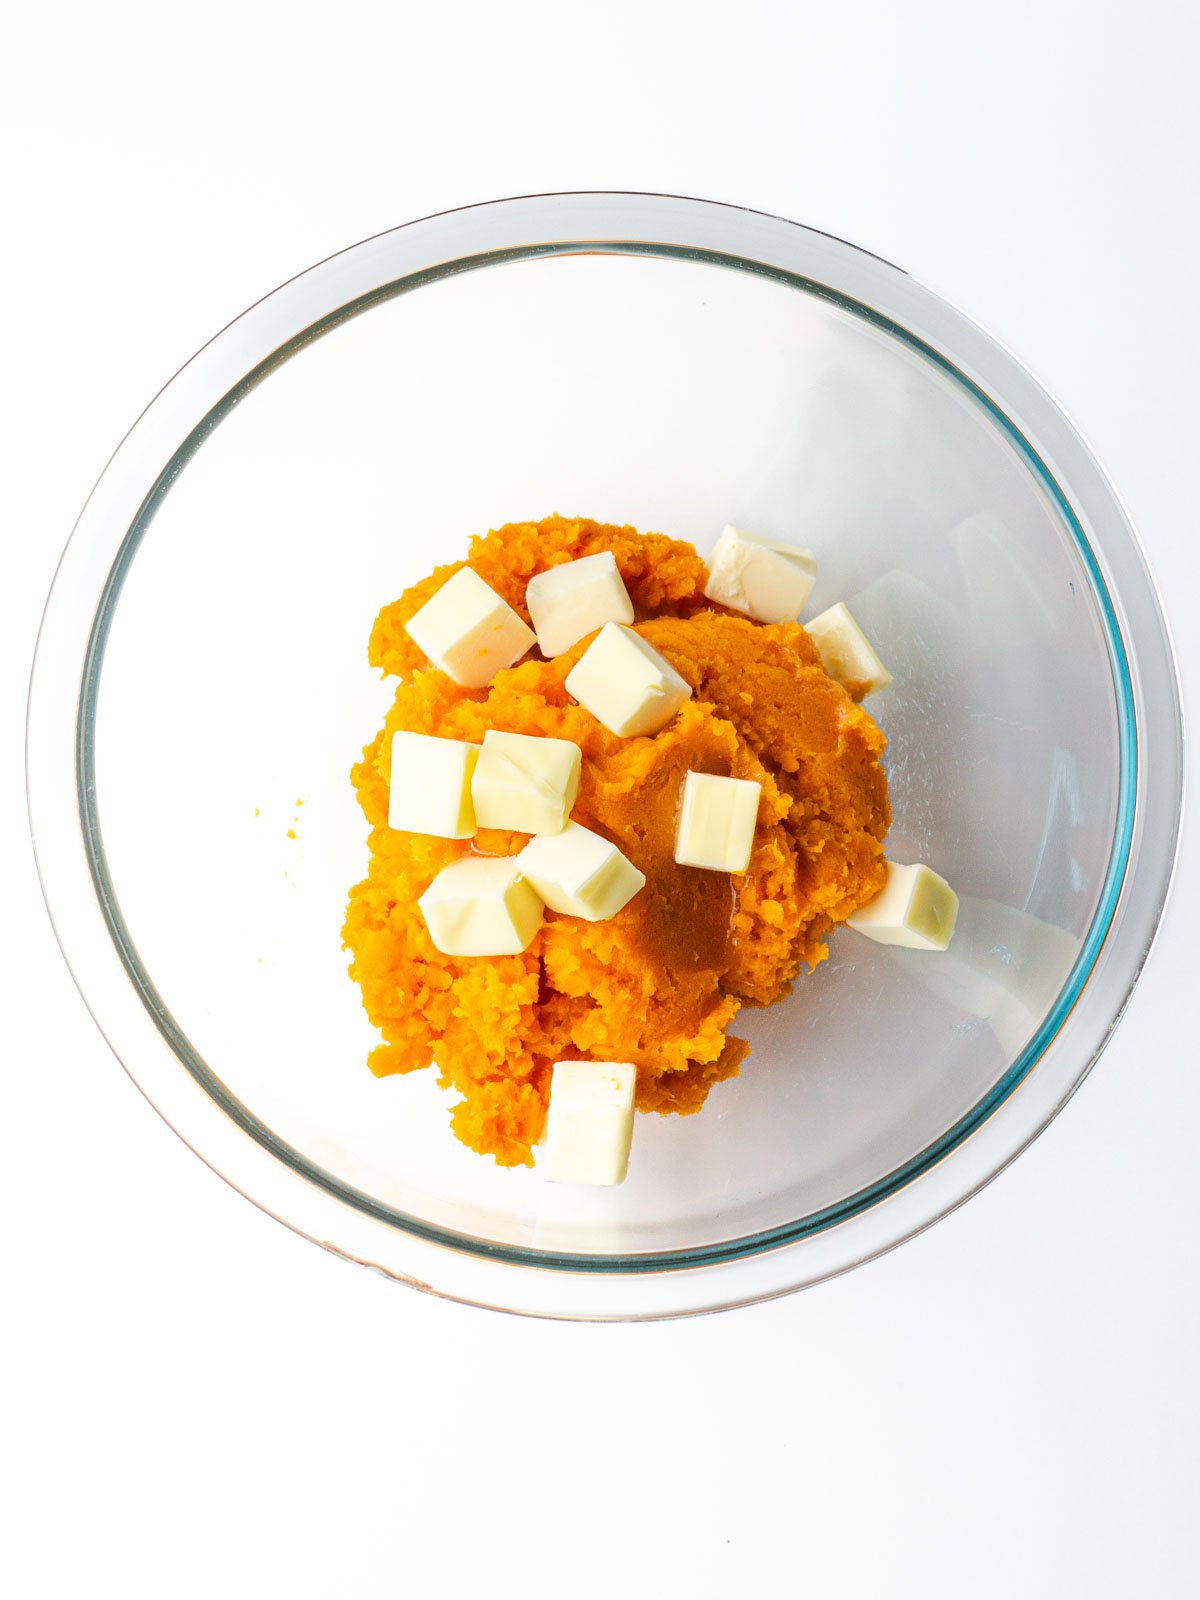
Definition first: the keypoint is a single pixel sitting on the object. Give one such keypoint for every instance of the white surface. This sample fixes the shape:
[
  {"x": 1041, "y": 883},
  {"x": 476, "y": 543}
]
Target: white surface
[{"x": 199, "y": 1402}]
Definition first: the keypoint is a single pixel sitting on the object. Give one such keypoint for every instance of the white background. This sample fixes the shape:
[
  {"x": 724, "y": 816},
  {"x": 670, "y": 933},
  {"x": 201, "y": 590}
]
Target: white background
[{"x": 198, "y": 1402}]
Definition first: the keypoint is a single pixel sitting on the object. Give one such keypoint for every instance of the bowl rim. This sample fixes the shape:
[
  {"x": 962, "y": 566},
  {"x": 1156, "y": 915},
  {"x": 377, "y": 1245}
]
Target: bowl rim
[{"x": 1145, "y": 684}]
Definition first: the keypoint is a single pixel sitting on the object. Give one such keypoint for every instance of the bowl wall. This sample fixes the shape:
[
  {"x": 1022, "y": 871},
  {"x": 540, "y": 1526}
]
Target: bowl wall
[{"x": 675, "y": 395}]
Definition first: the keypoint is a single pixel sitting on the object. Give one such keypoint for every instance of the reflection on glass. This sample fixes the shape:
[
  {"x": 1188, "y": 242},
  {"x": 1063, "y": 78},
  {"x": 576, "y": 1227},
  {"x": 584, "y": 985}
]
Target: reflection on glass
[
  {"x": 1053, "y": 892},
  {"x": 579, "y": 1218},
  {"x": 1006, "y": 608},
  {"x": 1003, "y": 969},
  {"x": 915, "y": 631}
]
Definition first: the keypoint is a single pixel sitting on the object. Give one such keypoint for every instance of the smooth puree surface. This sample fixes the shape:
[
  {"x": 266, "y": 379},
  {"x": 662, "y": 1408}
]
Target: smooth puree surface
[{"x": 660, "y": 983}]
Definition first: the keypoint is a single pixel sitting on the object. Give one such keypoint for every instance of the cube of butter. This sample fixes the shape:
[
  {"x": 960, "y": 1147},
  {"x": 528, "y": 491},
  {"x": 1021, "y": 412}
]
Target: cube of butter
[
  {"x": 715, "y": 827},
  {"x": 579, "y": 873},
  {"x": 916, "y": 909},
  {"x": 481, "y": 906},
  {"x": 568, "y": 601},
  {"x": 468, "y": 631},
  {"x": 765, "y": 578},
  {"x": 625, "y": 683},
  {"x": 846, "y": 653},
  {"x": 525, "y": 783},
  {"x": 430, "y": 788},
  {"x": 589, "y": 1127}
]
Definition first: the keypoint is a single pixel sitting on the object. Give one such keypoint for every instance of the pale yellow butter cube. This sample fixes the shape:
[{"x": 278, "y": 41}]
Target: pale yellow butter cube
[
  {"x": 481, "y": 906},
  {"x": 625, "y": 683},
  {"x": 580, "y": 874},
  {"x": 764, "y": 578},
  {"x": 846, "y": 653},
  {"x": 589, "y": 1126},
  {"x": 430, "y": 786},
  {"x": 568, "y": 601},
  {"x": 715, "y": 827},
  {"x": 525, "y": 783},
  {"x": 468, "y": 631},
  {"x": 916, "y": 909}
]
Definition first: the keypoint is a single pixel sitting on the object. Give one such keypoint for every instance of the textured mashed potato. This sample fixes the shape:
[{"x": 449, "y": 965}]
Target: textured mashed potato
[{"x": 660, "y": 983}]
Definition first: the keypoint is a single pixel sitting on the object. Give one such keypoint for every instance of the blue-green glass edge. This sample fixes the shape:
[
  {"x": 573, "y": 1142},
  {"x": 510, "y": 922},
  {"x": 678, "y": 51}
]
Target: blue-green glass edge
[{"x": 708, "y": 1255}]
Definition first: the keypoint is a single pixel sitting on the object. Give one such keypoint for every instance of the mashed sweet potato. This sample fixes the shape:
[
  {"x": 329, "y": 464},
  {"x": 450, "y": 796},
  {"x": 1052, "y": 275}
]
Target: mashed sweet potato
[{"x": 661, "y": 982}]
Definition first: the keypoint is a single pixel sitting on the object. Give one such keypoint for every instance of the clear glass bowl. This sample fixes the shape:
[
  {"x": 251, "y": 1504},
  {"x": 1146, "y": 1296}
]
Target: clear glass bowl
[{"x": 201, "y": 691}]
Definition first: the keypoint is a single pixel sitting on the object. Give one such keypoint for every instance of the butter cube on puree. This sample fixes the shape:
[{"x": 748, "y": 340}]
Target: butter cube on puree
[
  {"x": 846, "y": 653},
  {"x": 625, "y": 683},
  {"x": 430, "y": 787},
  {"x": 716, "y": 821},
  {"x": 917, "y": 909},
  {"x": 574, "y": 599},
  {"x": 524, "y": 783},
  {"x": 481, "y": 906},
  {"x": 764, "y": 578},
  {"x": 580, "y": 874},
  {"x": 589, "y": 1124},
  {"x": 468, "y": 631}
]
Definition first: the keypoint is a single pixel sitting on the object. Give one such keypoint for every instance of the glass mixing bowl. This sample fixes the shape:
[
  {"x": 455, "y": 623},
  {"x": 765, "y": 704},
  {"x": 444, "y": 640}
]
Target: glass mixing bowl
[{"x": 201, "y": 690}]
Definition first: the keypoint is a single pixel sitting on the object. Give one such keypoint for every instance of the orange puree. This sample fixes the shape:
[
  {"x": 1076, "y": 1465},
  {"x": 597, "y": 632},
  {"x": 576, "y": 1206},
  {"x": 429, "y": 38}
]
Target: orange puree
[{"x": 661, "y": 982}]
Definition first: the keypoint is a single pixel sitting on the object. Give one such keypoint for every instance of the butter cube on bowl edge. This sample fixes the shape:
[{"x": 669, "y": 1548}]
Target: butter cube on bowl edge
[
  {"x": 589, "y": 1124},
  {"x": 916, "y": 909},
  {"x": 766, "y": 579},
  {"x": 847, "y": 655}
]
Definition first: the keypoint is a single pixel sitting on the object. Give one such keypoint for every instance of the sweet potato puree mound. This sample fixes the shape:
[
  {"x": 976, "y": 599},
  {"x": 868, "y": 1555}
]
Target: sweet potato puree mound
[{"x": 661, "y": 982}]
